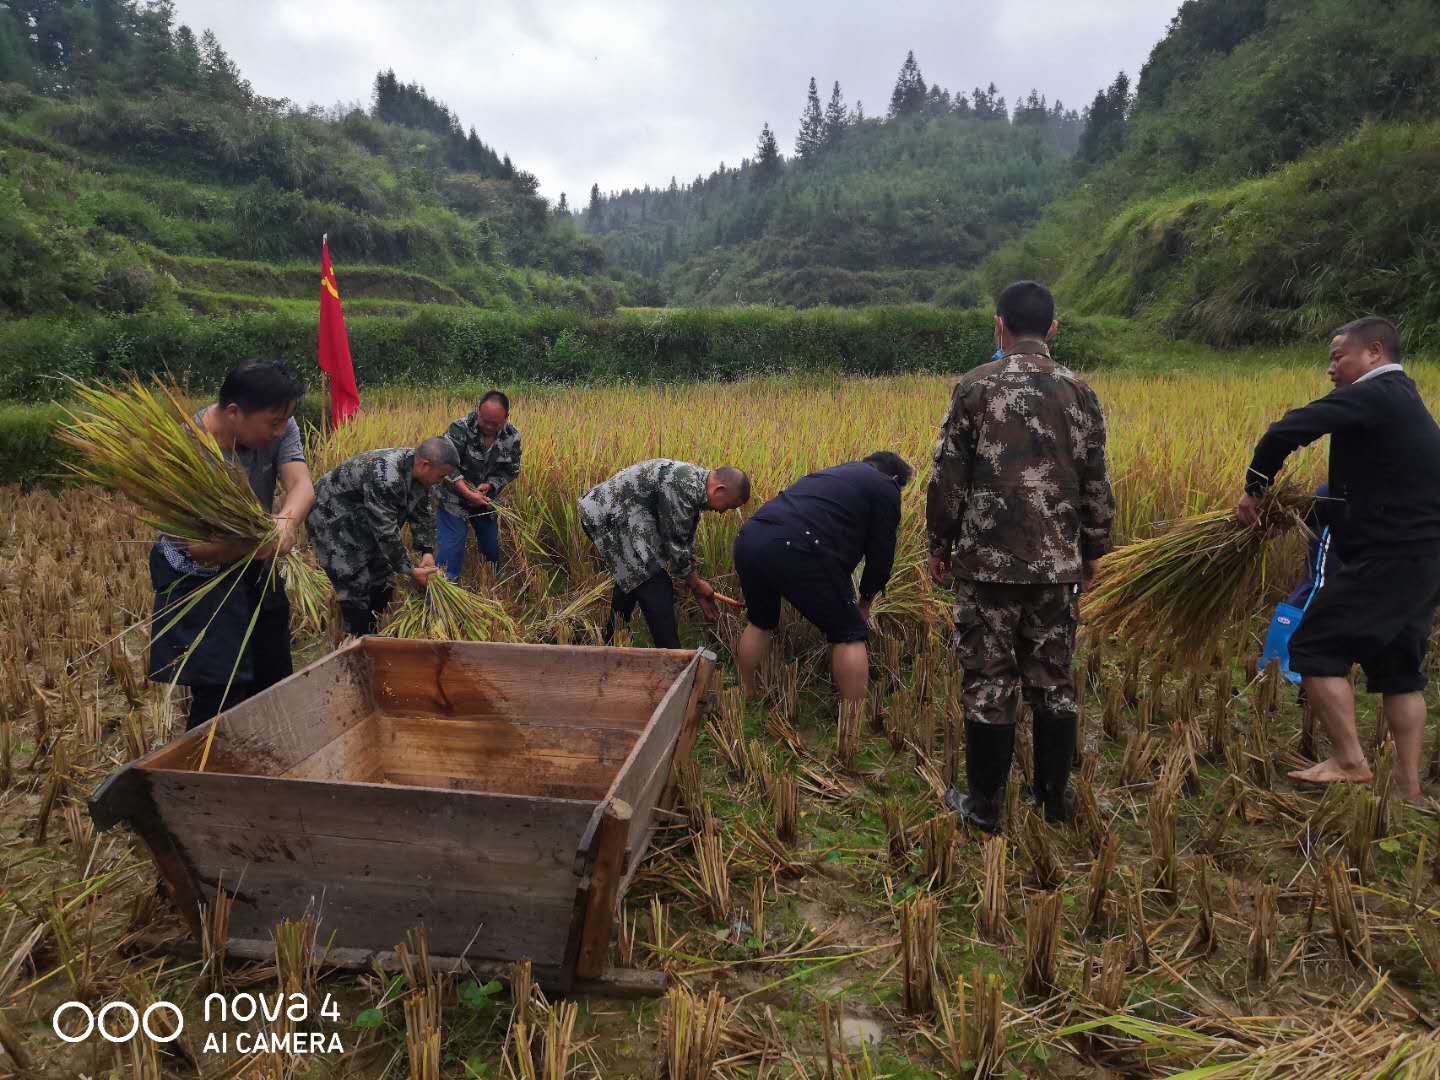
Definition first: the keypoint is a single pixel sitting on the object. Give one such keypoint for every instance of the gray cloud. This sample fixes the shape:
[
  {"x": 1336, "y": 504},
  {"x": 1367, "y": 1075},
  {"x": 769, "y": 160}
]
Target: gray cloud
[{"x": 631, "y": 93}]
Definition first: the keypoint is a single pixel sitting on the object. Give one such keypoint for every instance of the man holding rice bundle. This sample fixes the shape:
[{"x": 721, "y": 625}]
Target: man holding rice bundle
[
  {"x": 642, "y": 522},
  {"x": 1383, "y": 510},
  {"x": 489, "y": 449},
  {"x": 219, "y": 646},
  {"x": 1019, "y": 510},
  {"x": 355, "y": 528}
]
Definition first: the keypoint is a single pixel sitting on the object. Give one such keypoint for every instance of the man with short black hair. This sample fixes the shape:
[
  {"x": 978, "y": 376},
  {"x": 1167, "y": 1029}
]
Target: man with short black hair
[
  {"x": 642, "y": 522},
  {"x": 1019, "y": 508},
  {"x": 212, "y": 646},
  {"x": 361, "y": 507},
  {"x": 804, "y": 545},
  {"x": 489, "y": 448},
  {"x": 1383, "y": 509}
]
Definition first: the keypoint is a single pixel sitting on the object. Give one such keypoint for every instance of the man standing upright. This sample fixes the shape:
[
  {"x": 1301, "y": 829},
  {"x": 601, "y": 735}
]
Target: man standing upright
[
  {"x": 219, "y": 646},
  {"x": 1018, "y": 510},
  {"x": 489, "y": 449},
  {"x": 642, "y": 522},
  {"x": 1383, "y": 509}
]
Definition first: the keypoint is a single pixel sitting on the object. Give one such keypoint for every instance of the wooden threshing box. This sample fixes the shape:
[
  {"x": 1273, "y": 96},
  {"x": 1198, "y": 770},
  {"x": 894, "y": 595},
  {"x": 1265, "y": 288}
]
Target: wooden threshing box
[{"x": 501, "y": 796}]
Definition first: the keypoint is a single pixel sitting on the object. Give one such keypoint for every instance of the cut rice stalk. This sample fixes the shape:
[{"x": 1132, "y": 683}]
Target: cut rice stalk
[{"x": 1182, "y": 590}]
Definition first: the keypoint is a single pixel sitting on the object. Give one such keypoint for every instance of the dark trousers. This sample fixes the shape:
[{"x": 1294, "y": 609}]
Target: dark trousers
[
  {"x": 360, "y": 618},
  {"x": 270, "y": 654},
  {"x": 656, "y": 599}
]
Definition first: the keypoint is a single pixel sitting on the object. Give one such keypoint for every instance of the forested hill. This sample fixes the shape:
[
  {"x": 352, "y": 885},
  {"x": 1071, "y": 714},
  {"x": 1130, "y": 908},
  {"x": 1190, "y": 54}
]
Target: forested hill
[
  {"x": 140, "y": 171},
  {"x": 868, "y": 209},
  {"x": 1275, "y": 172}
]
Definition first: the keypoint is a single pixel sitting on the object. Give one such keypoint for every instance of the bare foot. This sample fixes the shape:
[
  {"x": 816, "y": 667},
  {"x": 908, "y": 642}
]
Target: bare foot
[
  {"x": 1331, "y": 771},
  {"x": 1414, "y": 798}
]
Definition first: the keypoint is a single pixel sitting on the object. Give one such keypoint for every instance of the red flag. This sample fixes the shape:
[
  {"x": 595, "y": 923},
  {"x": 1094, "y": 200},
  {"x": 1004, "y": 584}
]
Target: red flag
[{"x": 334, "y": 353}]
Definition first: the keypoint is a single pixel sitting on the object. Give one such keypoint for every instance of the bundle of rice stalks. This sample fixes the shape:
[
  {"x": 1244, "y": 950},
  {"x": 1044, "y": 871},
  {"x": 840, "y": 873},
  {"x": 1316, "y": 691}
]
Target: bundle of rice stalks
[
  {"x": 141, "y": 441},
  {"x": 1182, "y": 590},
  {"x": 444, "y": 611},
  {"x": 309, "y": 590}
]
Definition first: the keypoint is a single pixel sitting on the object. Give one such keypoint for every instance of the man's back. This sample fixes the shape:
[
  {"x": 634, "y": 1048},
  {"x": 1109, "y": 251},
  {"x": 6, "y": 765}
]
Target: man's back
[
  {"x": 1020, "y": 492},
  {"x": 839, "y": 505}
]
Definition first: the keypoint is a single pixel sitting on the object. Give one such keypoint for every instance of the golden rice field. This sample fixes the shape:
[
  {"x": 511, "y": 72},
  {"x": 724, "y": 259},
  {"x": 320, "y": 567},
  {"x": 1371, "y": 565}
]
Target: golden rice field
[{"x": 818, "y": 911}]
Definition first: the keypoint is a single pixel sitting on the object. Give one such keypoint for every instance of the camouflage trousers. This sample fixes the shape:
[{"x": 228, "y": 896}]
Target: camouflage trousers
[{"x": 1010, "y": 637}]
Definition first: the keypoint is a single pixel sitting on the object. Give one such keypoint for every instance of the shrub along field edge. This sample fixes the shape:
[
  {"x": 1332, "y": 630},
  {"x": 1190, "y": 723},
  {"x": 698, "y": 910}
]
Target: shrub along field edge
[{"x": 548, "y": 345}]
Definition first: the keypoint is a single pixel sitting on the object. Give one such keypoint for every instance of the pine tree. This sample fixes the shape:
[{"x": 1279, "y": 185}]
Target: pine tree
[
  {"x": 768, "y": 163},
  {"x": 811, "y": 136},
  {"x": 595, "y": 215},
  {"x": 562, "y": 208},
  {"x": 157, "y": 65},
  {"x": 187, "y": 59},
  {"x": 1104, "y": 132},
  {"x": 999, "y": 111},
  {"x": 835, "y": 119},
  {"x": 219, "y": 76},
  {"x": 909, "y": 93}
]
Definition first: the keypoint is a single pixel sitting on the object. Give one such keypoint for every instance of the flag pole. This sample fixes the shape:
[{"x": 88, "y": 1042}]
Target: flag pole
[{"x": 324, "y": 376}]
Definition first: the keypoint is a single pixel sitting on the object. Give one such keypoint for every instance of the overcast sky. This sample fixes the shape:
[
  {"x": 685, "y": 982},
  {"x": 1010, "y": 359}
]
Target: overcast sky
[{"x": 631, "y": 92}]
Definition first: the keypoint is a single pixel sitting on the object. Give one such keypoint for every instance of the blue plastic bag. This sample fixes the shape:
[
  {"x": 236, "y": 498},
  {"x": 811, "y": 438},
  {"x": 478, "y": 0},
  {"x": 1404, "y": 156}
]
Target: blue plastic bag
[
  {"x": 1277, "y": 639},
  {"x": 1287, "y": 617}
]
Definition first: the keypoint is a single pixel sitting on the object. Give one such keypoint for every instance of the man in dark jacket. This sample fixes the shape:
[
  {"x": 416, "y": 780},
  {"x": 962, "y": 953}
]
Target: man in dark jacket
[
  {"x": 1384, "y": 514},
  {"x": 1019, "y": 507},
  {"x": 804, "y": 545}
]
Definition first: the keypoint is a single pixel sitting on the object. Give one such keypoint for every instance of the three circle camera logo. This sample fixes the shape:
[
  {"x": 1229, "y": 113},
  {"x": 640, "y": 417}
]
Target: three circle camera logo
[{"x": 137, "y": 1021}]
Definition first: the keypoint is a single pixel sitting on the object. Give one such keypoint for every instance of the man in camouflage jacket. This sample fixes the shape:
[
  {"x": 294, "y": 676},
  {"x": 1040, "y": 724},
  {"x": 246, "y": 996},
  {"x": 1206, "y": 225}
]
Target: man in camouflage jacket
[
  {"x": 1019, "y": 509},
  {"x": 642, "y": 522},
  {"x": 355, "y": 527},
  {"x": 489, "y": 449}
]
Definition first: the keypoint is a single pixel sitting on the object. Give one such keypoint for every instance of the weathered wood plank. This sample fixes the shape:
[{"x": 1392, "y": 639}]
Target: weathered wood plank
[
  {"x": 368, "y": 915},
  {"x": 609, "y": 686},
  {"x": 237, "y": 852},
  {"x": 354, "y": 755},
  {"x": 279, "y": 728},
  {"x": 643, "y": 776},
  {"x": 466, "y": 747},
  {"x": 506, "y": 781},
  {"x": 603, "y": 889},
  {"x": 690, "y": 726},
  {"x": 506, "y": 827}
]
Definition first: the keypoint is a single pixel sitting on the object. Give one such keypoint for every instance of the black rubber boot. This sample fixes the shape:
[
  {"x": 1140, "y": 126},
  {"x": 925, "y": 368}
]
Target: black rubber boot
[
  {"x": 1054, "y": 754},
  {"x": 989, "y": 752}
]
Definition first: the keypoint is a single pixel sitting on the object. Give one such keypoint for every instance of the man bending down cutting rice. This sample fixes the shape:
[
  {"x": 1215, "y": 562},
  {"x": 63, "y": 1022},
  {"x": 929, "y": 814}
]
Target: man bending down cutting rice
[
  {"x": 355, "y": 529},
  {"x": 1377, "y": 607},
  {"x": 642, "y": 522}
]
